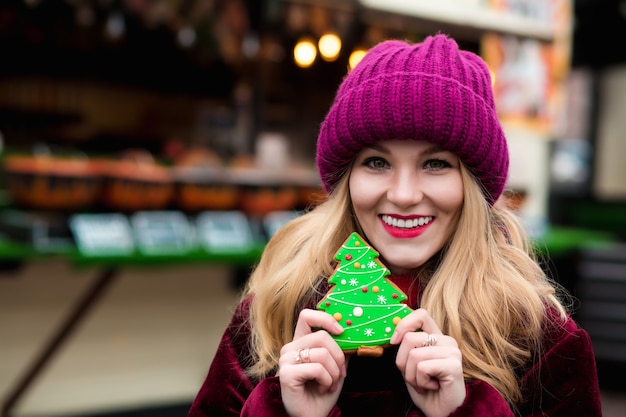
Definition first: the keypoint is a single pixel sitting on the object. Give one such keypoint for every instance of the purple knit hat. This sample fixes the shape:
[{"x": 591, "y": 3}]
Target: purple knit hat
[{"x": 431, "y": 91}]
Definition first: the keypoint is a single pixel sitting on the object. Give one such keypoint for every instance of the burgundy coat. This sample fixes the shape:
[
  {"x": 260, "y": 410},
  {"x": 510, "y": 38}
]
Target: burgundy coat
[{"x": 563, "y": 383}]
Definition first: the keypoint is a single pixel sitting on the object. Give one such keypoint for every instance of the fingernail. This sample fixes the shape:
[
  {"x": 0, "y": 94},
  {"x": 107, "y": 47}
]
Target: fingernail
[
  {"x": 394, "y": 338},
  {"x": 337, "y": 328}
]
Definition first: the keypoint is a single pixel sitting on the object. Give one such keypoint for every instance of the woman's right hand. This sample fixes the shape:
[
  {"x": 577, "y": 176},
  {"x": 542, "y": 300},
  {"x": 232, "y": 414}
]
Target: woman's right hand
[
  {"x": 312, "y": 367},
  {"x": 431, "y": 364}
]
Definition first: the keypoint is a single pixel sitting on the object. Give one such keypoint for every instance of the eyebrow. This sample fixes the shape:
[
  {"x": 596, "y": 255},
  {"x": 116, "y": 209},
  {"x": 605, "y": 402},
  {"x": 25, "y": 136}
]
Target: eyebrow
[{"x": 430, "y": 150}]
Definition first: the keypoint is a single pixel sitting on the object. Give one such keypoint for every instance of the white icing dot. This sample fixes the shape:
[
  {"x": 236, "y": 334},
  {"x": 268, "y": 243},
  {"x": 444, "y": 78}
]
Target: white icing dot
[
  {"x": 358, "y": 311},
  {"x": 387, "y": 329},
  {"x": 343, "y": 282}
]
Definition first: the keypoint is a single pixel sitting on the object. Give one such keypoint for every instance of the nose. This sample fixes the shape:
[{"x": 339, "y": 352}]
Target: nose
[{"x": 404, "y": 188}]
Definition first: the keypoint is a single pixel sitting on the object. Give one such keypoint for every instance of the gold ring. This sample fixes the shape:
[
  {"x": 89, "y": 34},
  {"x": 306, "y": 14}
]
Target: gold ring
[
  {"x": 303, "y": 356},
  {"x": 431, "y": 340},
  {"x": 306, "y": 355}
]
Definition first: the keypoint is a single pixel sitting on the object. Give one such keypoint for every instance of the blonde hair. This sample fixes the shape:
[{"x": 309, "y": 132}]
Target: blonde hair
[
  {"x": 286, "y": 279},
  {"x": 490, "y": 293},
  {"x": 487, "y": 289}
]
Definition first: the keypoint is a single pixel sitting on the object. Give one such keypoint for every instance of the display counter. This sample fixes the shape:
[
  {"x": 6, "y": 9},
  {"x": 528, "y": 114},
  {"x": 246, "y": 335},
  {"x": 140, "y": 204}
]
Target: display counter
[{"x": 107, "y": 267}]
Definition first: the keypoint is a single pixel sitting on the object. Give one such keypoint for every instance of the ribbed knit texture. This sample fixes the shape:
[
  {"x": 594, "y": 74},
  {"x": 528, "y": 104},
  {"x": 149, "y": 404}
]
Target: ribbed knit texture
[{"x": 427, "y": 91}]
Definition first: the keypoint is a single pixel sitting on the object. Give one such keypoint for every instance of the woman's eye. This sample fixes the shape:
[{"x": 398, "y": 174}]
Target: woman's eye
[
  {"x": 376, "y": 163},
  {"x": 436, "y": 164}
]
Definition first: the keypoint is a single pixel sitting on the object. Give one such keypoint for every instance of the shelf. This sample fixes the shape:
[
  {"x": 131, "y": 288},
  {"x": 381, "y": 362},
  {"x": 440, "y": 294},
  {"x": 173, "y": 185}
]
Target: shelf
[
  {"x": 32, "y": 118},
  {"x": 473, "y": 20},
  {"x": 556, "y": 241}
]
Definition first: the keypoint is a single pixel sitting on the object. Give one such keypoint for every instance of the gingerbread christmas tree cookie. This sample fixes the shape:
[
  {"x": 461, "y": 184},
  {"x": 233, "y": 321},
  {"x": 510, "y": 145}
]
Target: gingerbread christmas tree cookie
[{"x": 362, "y": 300}]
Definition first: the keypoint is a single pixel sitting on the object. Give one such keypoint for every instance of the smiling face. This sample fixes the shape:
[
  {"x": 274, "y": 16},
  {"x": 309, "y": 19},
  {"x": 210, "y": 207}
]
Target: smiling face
[{"x": 407, "y": 196}]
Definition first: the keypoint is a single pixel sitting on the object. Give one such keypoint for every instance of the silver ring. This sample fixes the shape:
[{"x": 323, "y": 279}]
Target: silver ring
[
  {"x": 431, "y": 340},
  {"x": 303, "y": 356}
]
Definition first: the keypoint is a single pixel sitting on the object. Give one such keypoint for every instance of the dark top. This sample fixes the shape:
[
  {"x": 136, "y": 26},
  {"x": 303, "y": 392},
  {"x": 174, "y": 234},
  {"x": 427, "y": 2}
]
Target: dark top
[{"x": 563, "y": 382}]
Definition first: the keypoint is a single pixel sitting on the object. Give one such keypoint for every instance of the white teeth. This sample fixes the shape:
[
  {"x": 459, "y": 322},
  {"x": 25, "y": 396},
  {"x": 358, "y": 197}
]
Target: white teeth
[{"x": 406, "y": 223}]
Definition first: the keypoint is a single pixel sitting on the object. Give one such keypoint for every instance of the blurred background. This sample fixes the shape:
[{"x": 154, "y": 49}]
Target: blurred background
[{"x": 149, "y": 148}]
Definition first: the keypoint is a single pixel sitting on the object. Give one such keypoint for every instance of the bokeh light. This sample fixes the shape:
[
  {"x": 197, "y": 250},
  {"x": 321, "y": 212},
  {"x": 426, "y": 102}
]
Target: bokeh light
[
  {"x": 355, "y": 57},
  {"x": 329, "y": 46},
  {"x": 304, "y": 53}
]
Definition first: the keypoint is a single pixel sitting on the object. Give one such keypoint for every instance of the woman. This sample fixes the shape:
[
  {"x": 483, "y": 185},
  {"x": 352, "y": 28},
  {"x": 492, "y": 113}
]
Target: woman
[{"x": 414, "y": 159}]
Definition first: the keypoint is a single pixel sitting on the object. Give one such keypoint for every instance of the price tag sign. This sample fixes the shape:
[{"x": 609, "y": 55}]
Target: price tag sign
[
  {"x": 102, "y": 234},
  {"x": 224, "y": 231},
  {"x": 163, "y": 232},
  {"x": 277, "y": 219}
]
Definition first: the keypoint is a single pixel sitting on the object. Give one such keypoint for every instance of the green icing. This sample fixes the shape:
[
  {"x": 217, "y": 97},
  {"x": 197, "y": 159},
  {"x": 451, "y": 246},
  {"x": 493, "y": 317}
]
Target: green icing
[{"x": 361, "y": 299}]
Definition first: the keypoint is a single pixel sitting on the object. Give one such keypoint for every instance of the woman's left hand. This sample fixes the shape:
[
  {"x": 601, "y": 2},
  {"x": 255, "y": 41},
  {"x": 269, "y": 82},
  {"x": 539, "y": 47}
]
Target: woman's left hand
[{"x": 430, "y": 363}]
